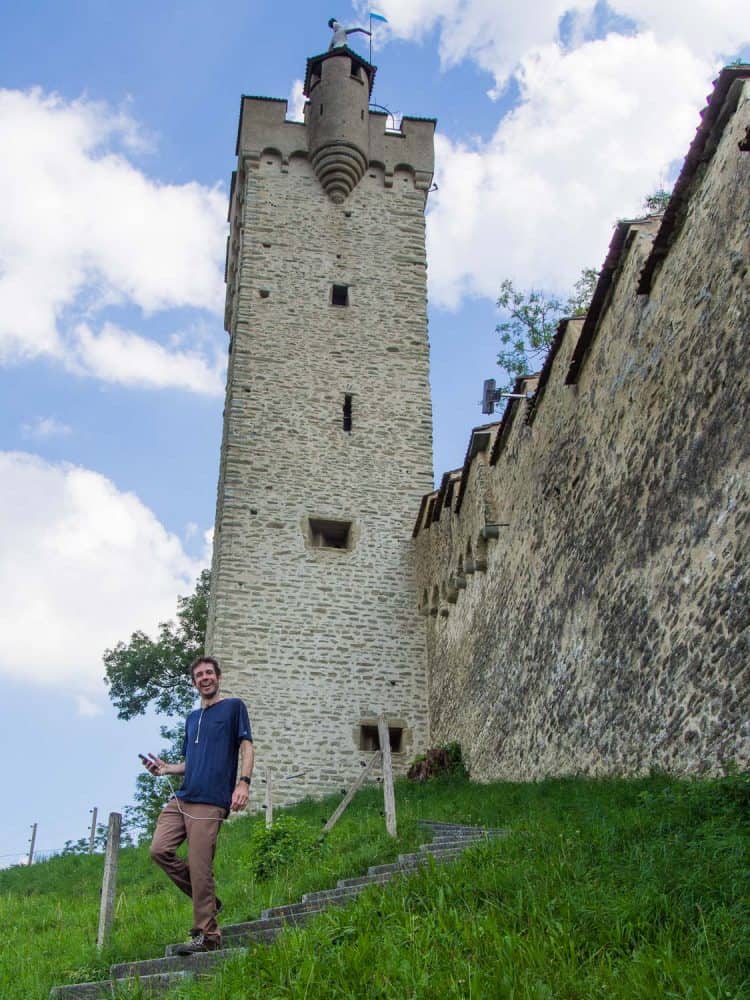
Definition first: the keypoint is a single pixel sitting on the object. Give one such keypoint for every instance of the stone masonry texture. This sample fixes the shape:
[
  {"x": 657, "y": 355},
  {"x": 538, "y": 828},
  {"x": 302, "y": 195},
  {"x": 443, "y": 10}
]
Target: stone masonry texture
[
  {"x": 606, "y": 629},
  {"x": 319, "y": 640}
]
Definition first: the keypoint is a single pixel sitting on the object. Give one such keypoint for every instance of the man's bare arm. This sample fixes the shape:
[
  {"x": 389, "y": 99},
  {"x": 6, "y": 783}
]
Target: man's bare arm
[{"x": 241, "y": 794}]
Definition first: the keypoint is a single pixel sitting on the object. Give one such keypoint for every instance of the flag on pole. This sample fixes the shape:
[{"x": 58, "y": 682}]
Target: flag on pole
[{"x": 375, "y": 17}]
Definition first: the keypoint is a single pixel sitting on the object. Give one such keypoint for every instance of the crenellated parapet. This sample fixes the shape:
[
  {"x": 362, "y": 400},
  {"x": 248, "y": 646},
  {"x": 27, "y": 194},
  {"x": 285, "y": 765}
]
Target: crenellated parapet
[{"x": 408, "y": 148}]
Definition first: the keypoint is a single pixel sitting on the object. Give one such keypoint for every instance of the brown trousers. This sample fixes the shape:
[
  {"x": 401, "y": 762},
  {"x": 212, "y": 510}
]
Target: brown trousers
[{"x": 199, "y": 824}]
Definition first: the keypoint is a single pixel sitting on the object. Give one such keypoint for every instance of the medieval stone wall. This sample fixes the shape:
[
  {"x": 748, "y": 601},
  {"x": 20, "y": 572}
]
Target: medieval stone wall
[{"x": 606, "y": 629}]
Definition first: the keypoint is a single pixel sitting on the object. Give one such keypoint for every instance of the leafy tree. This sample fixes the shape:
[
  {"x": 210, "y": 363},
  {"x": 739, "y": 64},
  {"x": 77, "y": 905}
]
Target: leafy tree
[
  {"x": 81, "y": 846},
  {"x": 533, "y": 317},
  {"x": 146, "y": 673},
  {"x": 656, "y": 203},
  {"x": 580, "y": 298},
  {"x": 151, "y": 794}
]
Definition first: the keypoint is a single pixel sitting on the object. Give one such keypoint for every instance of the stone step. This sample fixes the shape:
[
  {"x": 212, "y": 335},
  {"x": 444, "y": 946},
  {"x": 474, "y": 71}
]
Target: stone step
[
  {"x": 458, "y": 830},
  {"x": 365, "y": 880},
  {"x": 456, "y": 838},
  {"x": 173, "y": 963},
  {"x": 161, "y": 982},
  {"x": 433, "y": 824},
  {"x": 340, "y": 892},
  {"x": 295, "y": 908},
  {"x": 438, "y": 853},
  {"x": 450, "y": 845},
  {"x": 383, "y": 874},
  {"x": 452, "y": 848},
  {"x": 395, "y": 867},
  {"x": 232, "y": 933},
  {"x": 413, "y": 860},
  {"x": 82, "y": 991},
  {"x": 148, "y": 985}
]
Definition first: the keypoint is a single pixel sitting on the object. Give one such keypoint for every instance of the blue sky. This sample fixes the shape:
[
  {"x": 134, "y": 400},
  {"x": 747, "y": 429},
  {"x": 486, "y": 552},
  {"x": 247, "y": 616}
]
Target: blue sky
[{"x": 118, "y": 125}]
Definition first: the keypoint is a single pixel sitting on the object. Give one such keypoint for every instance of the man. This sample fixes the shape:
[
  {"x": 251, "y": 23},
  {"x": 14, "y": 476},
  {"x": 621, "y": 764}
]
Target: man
[{"x": 214, "y": 734}]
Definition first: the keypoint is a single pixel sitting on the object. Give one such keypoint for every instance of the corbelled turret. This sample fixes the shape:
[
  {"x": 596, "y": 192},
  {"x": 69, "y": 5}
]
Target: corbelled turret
[{"x": 338, "y": 86}]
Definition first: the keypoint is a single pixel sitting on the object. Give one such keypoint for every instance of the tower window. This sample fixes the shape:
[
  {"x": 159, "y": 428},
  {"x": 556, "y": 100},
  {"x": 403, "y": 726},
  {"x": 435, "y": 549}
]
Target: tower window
[
  {"x": 340, "y": 295},
  {"x": 369, "y": 738},
  {"x": 326, "y": 534},
  {"x": 347, "y": 413}
]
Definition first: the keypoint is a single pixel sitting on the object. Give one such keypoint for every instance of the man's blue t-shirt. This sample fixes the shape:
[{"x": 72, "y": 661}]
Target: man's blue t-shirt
[{"x": 210, "y": 746}]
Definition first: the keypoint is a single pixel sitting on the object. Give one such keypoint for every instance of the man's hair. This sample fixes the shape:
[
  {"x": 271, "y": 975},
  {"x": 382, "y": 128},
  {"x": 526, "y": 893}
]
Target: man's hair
[
  {"x": 332, "y": 22},
  {"x": 205, "y": 659}
]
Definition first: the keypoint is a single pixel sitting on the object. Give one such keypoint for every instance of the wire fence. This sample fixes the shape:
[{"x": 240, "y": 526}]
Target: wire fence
[
  {"x": 92, "y": 843},
  {"x": 96, "y": 840}
]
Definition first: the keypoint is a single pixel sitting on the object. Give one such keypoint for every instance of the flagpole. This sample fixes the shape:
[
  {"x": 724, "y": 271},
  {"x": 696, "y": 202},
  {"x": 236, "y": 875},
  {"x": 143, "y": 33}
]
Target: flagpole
[{"x": 371, "y": 38}]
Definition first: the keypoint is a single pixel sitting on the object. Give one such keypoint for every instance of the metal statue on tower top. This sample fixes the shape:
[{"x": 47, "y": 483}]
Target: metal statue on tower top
[{"x": 340, "y": 33}]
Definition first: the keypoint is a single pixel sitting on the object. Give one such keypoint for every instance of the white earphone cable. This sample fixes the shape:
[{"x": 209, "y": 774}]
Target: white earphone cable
[{"x": 210, "y": 819}]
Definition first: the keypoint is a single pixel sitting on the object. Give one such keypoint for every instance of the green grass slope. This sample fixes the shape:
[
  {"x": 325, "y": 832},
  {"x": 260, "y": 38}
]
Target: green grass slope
[{"x": 602, "y": 889}]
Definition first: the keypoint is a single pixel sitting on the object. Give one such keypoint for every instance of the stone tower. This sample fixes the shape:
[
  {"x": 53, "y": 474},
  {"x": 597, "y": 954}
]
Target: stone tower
[{"x": 327, "y": 443}]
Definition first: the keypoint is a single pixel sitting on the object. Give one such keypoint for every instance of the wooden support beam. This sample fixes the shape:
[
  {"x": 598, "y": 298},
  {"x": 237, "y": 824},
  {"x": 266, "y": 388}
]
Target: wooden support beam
[
  {"x": 356, "y": 785},
  {"x": 269, "y": 799},
  {"x": 389, "y": 796}
]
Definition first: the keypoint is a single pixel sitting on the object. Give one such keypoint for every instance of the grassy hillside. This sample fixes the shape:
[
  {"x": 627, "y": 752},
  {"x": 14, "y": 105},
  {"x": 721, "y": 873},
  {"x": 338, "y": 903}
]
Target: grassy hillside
[{"x": 602, "y": 889}]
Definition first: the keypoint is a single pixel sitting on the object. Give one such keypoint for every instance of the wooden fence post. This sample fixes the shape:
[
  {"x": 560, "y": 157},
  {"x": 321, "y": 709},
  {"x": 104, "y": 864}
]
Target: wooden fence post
[
  {"x": 388, "y": 793},
  {"x": 30, "y": 858},
  {"x": 92, "y": 835},
  {"x": 269, "y": 799},
  {"x": 109, "y": 882}
]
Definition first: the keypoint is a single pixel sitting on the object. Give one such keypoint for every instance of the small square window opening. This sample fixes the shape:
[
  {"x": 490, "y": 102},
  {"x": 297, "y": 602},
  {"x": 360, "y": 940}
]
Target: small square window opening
[
  {"x": 326, "y": 534},
  {"x": 369, "y": 738},
  {"x": 340, "y": 295}
]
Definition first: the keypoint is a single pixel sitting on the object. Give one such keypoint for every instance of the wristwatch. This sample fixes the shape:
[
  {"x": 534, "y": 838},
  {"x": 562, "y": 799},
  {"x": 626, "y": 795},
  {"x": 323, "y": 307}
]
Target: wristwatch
[{"x": 245, "y": 779}]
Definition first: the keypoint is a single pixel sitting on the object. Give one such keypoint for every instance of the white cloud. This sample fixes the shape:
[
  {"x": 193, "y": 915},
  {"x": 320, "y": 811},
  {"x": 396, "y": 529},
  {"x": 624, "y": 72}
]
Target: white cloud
[
  {"x": 497, "y": 35},
  {"x": 598, "y": 124},
  {"x": 297, "y": 100},
  {"x": 87, "y": 708},
  {"x": 82, "y": 565},
  {"x": 594, "y": 133},
  {"x": 492, "y": 34},
  {"x": 42, "y": 428},
  {"x": 709, "y": 28},
  {"x": 116, "y": 355},
  {"x": 81, "y": 227}
]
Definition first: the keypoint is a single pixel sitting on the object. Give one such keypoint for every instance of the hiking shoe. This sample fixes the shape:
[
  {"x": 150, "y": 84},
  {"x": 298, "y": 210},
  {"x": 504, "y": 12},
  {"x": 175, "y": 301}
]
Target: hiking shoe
[{"x": 199, "y": 944}]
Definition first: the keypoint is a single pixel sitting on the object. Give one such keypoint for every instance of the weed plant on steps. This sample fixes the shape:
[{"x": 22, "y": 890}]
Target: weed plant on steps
[{"x": 602, "y": 889}]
